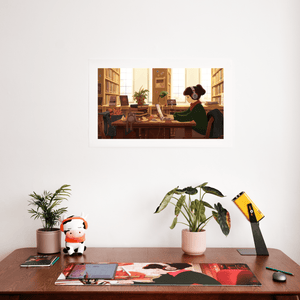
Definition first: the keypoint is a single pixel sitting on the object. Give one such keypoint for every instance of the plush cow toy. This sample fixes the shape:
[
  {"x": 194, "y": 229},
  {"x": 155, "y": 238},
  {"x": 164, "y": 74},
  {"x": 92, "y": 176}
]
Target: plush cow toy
[{"x": 74, "y": 228}]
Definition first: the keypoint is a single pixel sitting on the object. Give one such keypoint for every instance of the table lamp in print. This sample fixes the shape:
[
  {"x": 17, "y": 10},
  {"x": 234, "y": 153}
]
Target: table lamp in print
[{"x": 253, "y": 215}]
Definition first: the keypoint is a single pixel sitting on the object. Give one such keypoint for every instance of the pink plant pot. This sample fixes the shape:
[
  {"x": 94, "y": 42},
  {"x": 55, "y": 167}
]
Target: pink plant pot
[{"x": 193, "y": 243}]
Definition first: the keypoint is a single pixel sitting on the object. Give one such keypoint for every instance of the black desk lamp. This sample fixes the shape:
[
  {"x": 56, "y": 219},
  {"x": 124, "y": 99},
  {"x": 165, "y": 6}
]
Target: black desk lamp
[{"x": 254, "y": 215}]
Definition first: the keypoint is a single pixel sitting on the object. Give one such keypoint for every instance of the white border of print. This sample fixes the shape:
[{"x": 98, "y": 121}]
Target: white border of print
[{"x": 94, "y": 64}]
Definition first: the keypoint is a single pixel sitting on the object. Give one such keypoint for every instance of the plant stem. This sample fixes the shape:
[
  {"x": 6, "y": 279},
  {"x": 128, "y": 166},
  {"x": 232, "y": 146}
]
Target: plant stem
[
  {"x": 183, "y": 223},
  {"x": 183, "y": 213},
  {"x": 205, "y": 223},
  {"x": 188, "y": 213}
]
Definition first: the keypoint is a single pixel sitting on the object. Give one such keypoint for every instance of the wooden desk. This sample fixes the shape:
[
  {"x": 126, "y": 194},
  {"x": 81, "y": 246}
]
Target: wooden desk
[
  {"x": 152, "y": 130},
  {"x": 38, "y": 283},
  {"x": 167, "y": 109},
  {"x": 177, "y": 108}
]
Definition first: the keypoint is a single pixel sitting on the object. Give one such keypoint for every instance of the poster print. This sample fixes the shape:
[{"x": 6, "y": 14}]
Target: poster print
[
  {"x": 154, "y": 102},
  {"x": 163, "y": 103}
]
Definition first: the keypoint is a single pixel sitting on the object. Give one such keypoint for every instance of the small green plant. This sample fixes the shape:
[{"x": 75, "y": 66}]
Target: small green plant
[
  {"x": 46, "y": 204},
  {"x": 141, "y": 96},
  {"x": 194, "y": 210}
]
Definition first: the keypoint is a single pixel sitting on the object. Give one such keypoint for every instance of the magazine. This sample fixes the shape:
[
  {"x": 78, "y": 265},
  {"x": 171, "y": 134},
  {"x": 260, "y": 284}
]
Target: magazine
[
  {"x": 40, "y": 261},
  {"x": 213, "y": 274}
]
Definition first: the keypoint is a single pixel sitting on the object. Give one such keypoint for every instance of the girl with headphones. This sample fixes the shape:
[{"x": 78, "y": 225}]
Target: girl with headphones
[{"x": 196, "y": 111}]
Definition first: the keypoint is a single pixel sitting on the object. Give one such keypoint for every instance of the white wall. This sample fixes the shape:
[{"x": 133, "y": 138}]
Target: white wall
[
  {"x": 192, "y": 77},
  {"x": 45, "y": 47}
]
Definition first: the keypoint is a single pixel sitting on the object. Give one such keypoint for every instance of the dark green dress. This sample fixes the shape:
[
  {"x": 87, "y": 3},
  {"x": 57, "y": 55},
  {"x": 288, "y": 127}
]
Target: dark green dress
[{"x": 197, "y": 114}]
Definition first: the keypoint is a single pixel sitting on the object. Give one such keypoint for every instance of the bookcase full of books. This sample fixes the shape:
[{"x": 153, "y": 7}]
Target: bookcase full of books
[
  {"x": 108, "y": 86},
  {"x": 217, "y": 85}
]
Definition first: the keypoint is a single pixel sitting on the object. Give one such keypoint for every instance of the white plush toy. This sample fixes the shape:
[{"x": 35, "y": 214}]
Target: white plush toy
[{"x": 74, "y": 228}]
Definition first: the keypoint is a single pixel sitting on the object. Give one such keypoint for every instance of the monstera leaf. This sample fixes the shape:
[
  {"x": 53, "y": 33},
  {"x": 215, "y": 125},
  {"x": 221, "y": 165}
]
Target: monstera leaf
[{"x": 223, "y": 218}]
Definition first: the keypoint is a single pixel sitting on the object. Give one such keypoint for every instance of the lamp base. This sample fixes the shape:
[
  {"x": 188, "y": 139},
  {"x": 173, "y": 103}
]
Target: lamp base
[{"x": 251, "y": 251}]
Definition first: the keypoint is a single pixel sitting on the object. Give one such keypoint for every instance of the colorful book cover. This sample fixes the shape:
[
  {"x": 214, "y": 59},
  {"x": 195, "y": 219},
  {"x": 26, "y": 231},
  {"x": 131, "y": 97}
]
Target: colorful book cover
[
  {"x": 181, "y": 274},
  {"x": 39, "y": 261}
]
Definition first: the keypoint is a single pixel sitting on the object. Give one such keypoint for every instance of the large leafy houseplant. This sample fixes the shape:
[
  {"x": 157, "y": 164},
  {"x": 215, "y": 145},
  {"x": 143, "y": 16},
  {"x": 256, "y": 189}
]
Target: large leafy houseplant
[
  {"x": 194, "y": 211},
  {"x": 46, "y": 204}
]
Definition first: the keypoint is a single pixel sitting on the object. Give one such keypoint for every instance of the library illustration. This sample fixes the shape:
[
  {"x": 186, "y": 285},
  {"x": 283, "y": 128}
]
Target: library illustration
[{"x": 161, "y": 103}]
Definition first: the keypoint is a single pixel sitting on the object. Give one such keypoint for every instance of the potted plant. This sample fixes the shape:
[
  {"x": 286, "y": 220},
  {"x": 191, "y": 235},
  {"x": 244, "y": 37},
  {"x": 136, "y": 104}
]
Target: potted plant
[
  {"x": 141, "y": 96},
  {"x": 48, "y": 238},
  {"x": 194, "y": 212}
]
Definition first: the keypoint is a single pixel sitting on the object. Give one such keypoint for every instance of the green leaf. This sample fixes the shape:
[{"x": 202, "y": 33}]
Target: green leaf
[
  {"x": 222, "y": 218},
  {"x": 189, "y": 190},
  {"x": 210, "y": 190},
  {"x": 164, "y": 203},
  {"x": 201, "y": 185},
  {"x": 199, "y": 210},
  {"x": 207, "y": 205},
  {"x": 228, "y": 220},
  {"x": 215, "y": 215},
  {"x": 179, "y": 205},
  {"x": 202, "y": 216},
  {"x": 178, "y": 192},
  {"x": 46, "y": 202},
  {"x": 174, "y": 223}
]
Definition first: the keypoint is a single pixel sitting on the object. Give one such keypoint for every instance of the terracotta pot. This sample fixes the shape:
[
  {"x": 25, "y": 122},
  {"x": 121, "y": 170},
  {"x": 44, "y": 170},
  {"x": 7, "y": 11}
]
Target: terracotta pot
[
  {"x": 48, "y": 242},
  {"x": 193, "y": 243}
]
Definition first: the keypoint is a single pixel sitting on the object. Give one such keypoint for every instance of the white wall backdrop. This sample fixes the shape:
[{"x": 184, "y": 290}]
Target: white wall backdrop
[{"x": 45, "y": 47}]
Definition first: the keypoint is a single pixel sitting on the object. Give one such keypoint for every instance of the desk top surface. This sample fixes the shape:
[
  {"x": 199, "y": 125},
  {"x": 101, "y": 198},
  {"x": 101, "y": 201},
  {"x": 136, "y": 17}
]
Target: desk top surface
[
  {"x": 156, "y": 123},
  {"x": 14, "y": 279}
]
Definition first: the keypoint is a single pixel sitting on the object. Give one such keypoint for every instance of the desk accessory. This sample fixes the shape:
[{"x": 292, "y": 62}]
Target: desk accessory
[
  {"x": 278, "y": 276},
  {"x": 48, "y": 238},
  {"x": 74, "y": 228},
  {"x": 92, "y": 271},
  {"x": 160, "y": 113},
  {"x": 194, "y": 212},
  {"x": 161, "y": 95},
  {"x": 126, "y": 271},
  {"x": 40, "y": 261},
  {"x": 171, "y": 102},
  {"x": 280, "y": 271},
  {"x": 158, "y": 274},
  {"x": 254, "y": 215}
]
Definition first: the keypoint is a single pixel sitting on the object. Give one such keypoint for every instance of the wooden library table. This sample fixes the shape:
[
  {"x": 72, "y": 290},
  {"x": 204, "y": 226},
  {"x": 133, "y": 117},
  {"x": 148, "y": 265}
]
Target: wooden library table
[
  {"x": 154, "y": 129},
  {"x": 166, "y": 108},
  {"x": 38, "y": 283}
]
